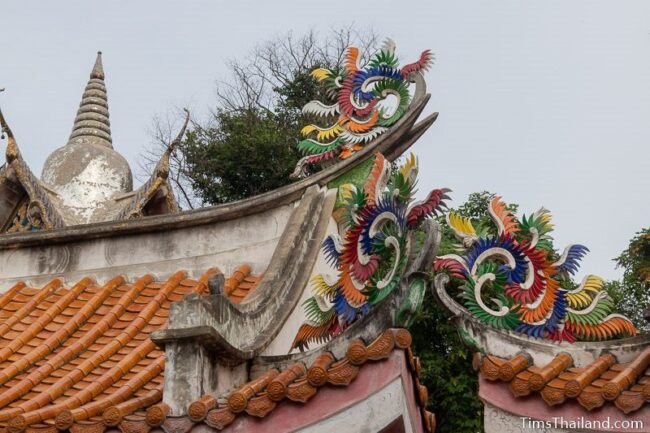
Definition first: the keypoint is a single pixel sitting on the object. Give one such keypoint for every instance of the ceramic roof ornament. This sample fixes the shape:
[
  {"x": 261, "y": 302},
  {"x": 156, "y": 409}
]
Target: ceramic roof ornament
[
  {"x": 544, "y": 345},
  {"x": 358, "y": 109},
  {"x": 371, "y": 251},
  {"x": 530, "y": 285}
]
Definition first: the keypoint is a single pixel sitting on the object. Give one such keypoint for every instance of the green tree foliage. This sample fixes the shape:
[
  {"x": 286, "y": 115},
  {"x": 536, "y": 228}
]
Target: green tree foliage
[
  {"x": 247, "y": 145},
  {"x": 245, "y": 153},
  {"x": 476, "y": 206},
  {"x": 247, "y": 150},
  {"x": 447, "y": 371},
  {"x": 632, "y": 293},
  {"x": 446, "y": 360}
]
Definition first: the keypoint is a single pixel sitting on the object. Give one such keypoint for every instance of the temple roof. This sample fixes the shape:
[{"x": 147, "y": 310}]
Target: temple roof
[
  {"x": 299, "y": 383},
  {"x": 93, "y": 357},
  {"x": 602, "y": 382},
  {"x": 80, "y": 358},
  {"x": 28, "y": 203},
  {"x": 78, "y": 351}
]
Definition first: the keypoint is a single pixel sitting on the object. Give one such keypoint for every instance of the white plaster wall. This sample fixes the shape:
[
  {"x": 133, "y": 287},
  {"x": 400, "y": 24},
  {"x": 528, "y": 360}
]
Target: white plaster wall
[
  {"x": 506, "y": 344},
  {"x": 370, "y": 415},
  {"x": 226, "y": 244},
  {"x": 282, "y": 342},
  {"x": 499, "y": 421}
]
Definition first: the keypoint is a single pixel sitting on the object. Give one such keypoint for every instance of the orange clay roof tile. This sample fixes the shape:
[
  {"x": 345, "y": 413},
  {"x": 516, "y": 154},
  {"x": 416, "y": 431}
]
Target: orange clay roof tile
[
  {"x": 592, "y": 386},
  {"x": 297, "y": 383},
  {"x": 81, "y": 357}
]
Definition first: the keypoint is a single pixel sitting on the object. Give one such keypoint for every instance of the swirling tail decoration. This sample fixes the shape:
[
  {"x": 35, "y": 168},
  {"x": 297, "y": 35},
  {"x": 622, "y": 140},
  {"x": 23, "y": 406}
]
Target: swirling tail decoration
[
  {"x": 375, "y": 222},
  {"x": 611, "y": 327},
  {"x": 314, "y": 334},
  {"x": 451, "y": 267},
  {"x": 528, "y": 282},
  {"x": 358, "y": 99}
]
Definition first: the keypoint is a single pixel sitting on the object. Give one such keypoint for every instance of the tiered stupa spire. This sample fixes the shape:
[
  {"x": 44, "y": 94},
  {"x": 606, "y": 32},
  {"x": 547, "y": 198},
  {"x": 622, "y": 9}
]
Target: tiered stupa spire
[
  {"x": 87, "y": 174},
  {"x": 86, "y": 180},
  {"x": 92, "y": 122}
]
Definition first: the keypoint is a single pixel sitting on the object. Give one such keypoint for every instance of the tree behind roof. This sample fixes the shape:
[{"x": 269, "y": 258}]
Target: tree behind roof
[
  {"x": 632, "y": 293},
  {"x": 248, "y": 144}
]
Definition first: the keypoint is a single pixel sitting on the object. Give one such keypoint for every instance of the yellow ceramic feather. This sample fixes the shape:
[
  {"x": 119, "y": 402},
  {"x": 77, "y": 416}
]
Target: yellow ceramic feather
[
  {"x": 328, "y": 133},
  {"x": 461, "y": 225},
  {"x": 582, "y": 296},
  {"x": 410, "y": 164},
  {"x": 321, "y": 73}
]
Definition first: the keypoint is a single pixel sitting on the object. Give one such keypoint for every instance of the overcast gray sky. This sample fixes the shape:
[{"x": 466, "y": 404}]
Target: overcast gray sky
[{"x": 546, "y": 103}]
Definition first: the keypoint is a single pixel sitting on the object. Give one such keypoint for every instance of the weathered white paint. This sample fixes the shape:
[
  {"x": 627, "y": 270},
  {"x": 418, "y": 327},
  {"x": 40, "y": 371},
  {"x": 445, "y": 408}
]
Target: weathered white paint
[
  {"x": 506, "y": 344},
  {"x": 282, "y": 343},
  {"x": 251, "y": 239},
  {"x": 500, "y": 421},
  {"x": 96, "y": 183},
  {"x": 370, "y": 415},
  {"x": 86, "y": 178}
]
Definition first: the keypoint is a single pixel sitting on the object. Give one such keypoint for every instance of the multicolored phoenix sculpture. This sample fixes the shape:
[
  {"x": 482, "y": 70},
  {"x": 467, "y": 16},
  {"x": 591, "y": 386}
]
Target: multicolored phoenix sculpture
[
  {"x": 528, "y": 282},
  {"x": 371, "y": 250},
  {"x": 356, "y": 110}
]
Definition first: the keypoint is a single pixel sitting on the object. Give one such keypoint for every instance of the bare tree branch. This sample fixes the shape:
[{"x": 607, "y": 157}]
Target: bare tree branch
[
  {"x": 277, "y": 62},
  {"x": 252, "y": 84},
  {"x": 162, "y": 131}
]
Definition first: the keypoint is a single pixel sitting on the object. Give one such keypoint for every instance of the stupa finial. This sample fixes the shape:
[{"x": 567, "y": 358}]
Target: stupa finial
[
  {"x": 91, "y": 124},
  {"x": 98, "y": 69}
]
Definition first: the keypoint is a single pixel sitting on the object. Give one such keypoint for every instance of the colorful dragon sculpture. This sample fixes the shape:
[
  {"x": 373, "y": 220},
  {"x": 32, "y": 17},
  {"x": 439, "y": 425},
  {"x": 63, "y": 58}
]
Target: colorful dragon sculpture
[
  {"x": 355, "y": 111},
  {"x": 528, "y": 282},
  {"x": 370, "y": 254}
]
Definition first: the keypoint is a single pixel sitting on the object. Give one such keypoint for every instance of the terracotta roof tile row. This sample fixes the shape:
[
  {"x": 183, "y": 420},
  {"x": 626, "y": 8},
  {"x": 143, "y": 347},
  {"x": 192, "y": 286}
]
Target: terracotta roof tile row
[
  {"x": 241, "y": 283},
  {"x": 82, "y": 355},
  {"x": 604, "y": 380},
  {"x": 297, "y": 383}
]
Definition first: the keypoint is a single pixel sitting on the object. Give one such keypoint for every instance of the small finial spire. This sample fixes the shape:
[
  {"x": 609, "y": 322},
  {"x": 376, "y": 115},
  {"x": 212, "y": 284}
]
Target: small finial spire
[
  {"x": 12, "y": 152},
  {"x": 98, "y": 69},
  {"x": 162, "y": 168},
  {"x": 91, "y": 124}
]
